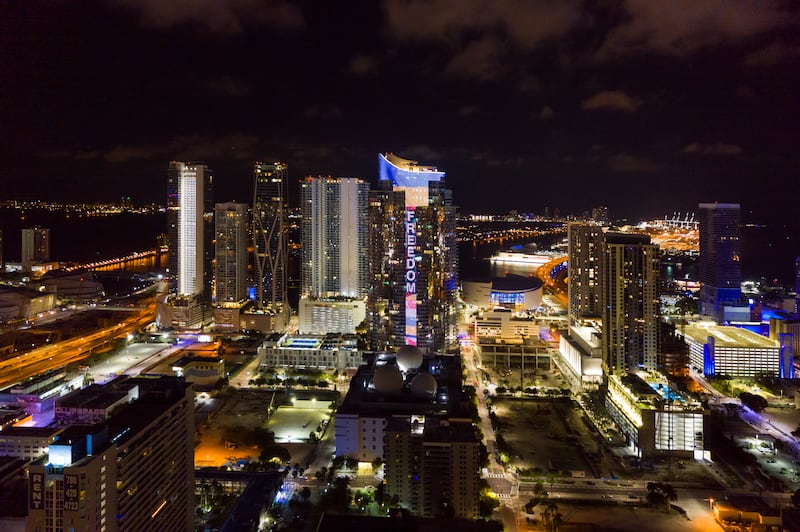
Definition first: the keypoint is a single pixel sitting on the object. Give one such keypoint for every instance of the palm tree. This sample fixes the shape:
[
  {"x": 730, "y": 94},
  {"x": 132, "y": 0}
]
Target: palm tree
[
  {"x": 670, "y": 495},
  {"x": 661, "y": 493},
  {"x": 552, "y": 517}
]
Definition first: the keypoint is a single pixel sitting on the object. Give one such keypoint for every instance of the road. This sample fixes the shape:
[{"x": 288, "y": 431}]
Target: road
[{"x": 37, "y": 361}]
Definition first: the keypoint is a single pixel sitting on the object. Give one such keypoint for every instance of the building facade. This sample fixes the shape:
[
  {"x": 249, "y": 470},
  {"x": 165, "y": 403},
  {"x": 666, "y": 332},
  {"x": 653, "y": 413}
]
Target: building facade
[
  {"x": 420, "y": 260},
  {"x": 187, "y": 186},
  {"x": 35, "y": 246},
  {"x": 230, "y": 271},
  {"x": 735, "y": 352},
  {"x": 270, "y": 201},
  {"x": 584, "y": 249},
  {"x": 335, "y": 239},
  {"x": 629, "y": 277},
  {"x": 133, "y": 472},
  {"x": 432, "y": 466},
  {"x": 720, "y": 258}
]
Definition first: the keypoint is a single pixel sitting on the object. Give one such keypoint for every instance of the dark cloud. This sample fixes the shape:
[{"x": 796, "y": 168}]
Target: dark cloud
[
  {"x": 216, "y": 16},
  {"x": 479, "y": 60},
  {"x": 615, "y": 100},
  {"x": 323, "y": 112},
  {"x": 423, "y": 153},
  {"x": 527, "y": 22},
  {"x": 193, "y": 147},
  {"x": 772, "y": 55},
  {"x": 681, "y": 26},
  {"x": 717, "y": 148},
  {"x": 232, "y": 86},
  {"x": 546, "y": 113},
  {"x": 622, "y": 162},
  {"x": 363, "y": 64}
]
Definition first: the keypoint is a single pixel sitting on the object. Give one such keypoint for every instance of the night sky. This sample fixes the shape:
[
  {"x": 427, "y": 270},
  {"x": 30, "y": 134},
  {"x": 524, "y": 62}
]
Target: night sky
[{"x": 645, "y": 106}]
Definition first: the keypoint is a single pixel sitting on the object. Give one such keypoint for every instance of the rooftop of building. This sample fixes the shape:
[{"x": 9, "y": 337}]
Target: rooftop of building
[
  {"x": 719, "y": 206},
  {"x": 31, "y": 432},
  {"x": 94, "y": 397},
  {"x": 408, "y": 164},
  {"x": 726, "y": 336},
  {"x": 185, "y": 361},
  {"x": 626, "y": 238},
  {"x": 397, "y": 393},
  {"x": 21, "y": 290},
  {"x": 516, "y": 283},
  {"x": 434, "y": 428}
]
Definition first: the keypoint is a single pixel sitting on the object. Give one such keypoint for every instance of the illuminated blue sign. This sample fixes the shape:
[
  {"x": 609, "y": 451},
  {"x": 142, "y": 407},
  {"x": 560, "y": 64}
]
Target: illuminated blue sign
[{"x": 402, "y": 177}]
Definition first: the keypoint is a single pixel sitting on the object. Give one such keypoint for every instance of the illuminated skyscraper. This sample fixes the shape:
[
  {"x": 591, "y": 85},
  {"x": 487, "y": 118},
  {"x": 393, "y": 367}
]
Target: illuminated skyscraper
[
  {"x": 629, "y": 276},
  {"x": 334, "y": 237},
  {"x": 585, "y": 245},
  {"x": 720, "y": 252},
  {"x": 269, "y": 238},
  {"x": 419, "y": 261},
  {"x": 230, "y": 272},
  {"x": 187, "y": 185},
  {"x": 35, "y": 246},
  {"x": 797, "y": 284}
]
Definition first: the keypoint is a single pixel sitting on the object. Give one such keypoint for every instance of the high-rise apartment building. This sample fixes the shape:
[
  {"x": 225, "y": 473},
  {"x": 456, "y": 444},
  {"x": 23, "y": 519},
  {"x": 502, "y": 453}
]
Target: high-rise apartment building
[
  {"x": 127, "y": 464},
  {"x": 431, "y": 464},
  {"x": 629, "y": 277},
  {"x": 270, "y": 202},
  {"x": 797, "y": 285},
  {"x": 720, "y": 254},
  {"x": 187, "y": 234},
  {"x": 335, "y": 237},
  {"x": 419, "y": 263},
  {"x": 585, "y": 243},
  {"x": 35, "y": 246},
  {"x": 231, "y": 236}
]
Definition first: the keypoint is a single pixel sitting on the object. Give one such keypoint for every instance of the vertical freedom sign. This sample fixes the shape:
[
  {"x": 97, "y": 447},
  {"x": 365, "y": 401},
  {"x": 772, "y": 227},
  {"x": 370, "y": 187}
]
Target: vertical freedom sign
[{"x": 411, "y": 274}]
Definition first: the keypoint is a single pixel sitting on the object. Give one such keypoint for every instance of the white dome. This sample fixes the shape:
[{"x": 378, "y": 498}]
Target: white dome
[
  {"x": 388, "y": 379},
  {"x": 423, "y": 385},
  {"x": 409, "y": 357}
]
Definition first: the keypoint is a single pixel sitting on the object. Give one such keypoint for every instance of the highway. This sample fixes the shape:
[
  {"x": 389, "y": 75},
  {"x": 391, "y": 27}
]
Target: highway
[
  {"x": 21, "y": 367},
  {"x": 557, "y": 286}
]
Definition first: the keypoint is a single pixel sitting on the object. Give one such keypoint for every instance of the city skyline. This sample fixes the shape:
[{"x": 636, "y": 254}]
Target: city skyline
[{"x": 639, "y": 107}]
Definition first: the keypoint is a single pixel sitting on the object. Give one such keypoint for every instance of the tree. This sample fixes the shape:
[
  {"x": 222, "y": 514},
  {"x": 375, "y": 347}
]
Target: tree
[
  {"x": 754, "y": 402},
  {"x": 377, "y": 463},
  {"x": 551, "y": 517},
  {"x": 380, "y": 494},
  {"x": 661, "y": 493},
  {"x": 796, "y": 499},
  {"x": 275, "y": 453}
]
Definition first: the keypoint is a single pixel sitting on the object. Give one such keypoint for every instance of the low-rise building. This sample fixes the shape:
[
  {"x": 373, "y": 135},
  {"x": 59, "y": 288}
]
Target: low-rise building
[
  {"x": 330, "y": 351},
  {"x": 582, "y": 353},
  {"x": 654, "y": 418},
  {"x": 27, "y": 443},
  {"x": 203, "y": 372},
  {"x": 723, "y": 350},
  {"x": 19, "y": 302}
]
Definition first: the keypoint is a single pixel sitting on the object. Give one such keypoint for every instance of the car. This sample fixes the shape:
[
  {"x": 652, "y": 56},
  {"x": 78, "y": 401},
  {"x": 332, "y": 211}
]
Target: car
[{"x": 608, "y": 496}]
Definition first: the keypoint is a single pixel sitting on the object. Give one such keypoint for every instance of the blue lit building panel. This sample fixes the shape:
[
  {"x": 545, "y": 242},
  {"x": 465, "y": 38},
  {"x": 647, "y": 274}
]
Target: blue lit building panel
[{"x": 400, "y": 177}]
